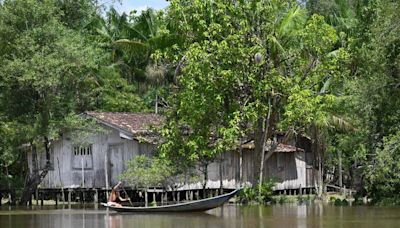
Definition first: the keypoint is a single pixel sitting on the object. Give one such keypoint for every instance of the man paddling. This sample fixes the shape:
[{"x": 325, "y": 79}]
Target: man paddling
[{"x": 115, "y": 198}]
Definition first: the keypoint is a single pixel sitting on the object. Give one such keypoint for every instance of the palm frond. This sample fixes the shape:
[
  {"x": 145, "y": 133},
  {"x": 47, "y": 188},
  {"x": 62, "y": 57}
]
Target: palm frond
[
  {"x": 131, "y": 45},
  {"x": 294, "y": 19},
  {"x": 275, "y": 44},
  {"x": 340, "y": 123},
  {"x": 326, "y": 85}
]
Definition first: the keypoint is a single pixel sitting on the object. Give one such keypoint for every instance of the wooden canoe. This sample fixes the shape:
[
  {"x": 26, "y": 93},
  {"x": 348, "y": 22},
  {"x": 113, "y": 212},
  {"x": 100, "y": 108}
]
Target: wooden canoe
[{"x": 192, "y": 206}]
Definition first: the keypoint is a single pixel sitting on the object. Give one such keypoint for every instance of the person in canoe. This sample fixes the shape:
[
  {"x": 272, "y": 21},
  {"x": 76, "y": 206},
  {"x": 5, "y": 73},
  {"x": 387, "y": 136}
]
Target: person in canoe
[{"x": 115, "y": 198}]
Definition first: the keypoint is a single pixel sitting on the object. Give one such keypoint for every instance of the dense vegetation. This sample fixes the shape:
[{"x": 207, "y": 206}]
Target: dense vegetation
[{"x": 221, "y": 72}]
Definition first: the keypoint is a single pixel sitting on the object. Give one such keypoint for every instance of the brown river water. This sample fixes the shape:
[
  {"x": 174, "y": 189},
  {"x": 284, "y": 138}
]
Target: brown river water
[{"x": 232, "y": 216}]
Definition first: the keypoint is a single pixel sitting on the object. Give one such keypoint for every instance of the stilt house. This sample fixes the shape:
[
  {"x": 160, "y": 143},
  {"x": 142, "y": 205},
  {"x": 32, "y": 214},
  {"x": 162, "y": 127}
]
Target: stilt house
[{"x": 99, "y": 163}]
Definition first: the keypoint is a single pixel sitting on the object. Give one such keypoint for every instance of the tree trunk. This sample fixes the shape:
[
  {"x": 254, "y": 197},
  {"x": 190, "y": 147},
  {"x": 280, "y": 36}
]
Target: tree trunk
[
  {"x": 317, "y": 150},
  {"x": 259, "y": 139},
  {"x": 264, "y": 137},
  {"x": 156, "y": 105},
  {"x": 220, "y": 175},
  {"x": 261, "y": 134},
  {"x": 47, "y": 150},
  {"x": 241, "y": 164},
  {"x": 205, "y": 172},
  {"x": 34, "y": 178},
  {"x": 340, "y": 171},
  {"x": 31, "y": 184},
  {"x": 35, "y": 166}
]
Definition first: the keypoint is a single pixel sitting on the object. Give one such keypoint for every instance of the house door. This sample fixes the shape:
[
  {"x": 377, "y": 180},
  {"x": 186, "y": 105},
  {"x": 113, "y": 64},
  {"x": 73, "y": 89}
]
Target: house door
[{"x": 115, "y": 163}]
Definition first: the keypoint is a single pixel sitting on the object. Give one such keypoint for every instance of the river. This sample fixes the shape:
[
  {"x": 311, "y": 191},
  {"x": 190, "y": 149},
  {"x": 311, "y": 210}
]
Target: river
[{"x": 232, "y": 216}]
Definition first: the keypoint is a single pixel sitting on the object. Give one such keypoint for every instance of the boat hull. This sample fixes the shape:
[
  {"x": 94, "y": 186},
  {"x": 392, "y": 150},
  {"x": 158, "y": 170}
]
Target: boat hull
[{"x": 193, "y": 206}]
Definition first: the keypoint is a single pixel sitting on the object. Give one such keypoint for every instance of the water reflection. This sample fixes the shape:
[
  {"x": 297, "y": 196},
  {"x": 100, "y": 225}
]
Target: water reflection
[
  {"x": 114, "y": 221},
  {"x": 228, "y": 216}
]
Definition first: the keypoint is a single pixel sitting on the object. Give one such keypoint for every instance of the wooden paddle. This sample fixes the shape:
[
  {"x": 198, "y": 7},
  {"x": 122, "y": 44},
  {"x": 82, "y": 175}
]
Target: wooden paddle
[{"x": 126, "y": 194}]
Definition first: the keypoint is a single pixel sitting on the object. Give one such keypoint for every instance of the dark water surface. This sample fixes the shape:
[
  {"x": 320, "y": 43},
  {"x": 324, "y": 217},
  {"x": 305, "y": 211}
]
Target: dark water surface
[{"x": 231, "y": 216}]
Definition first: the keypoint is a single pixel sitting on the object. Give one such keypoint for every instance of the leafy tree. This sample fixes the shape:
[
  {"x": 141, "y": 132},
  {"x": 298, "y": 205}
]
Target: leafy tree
[
  {"x": 134, "y": 42},
  {"x": 112, "y": 93},
  {"x": 44, "y": 73},
  {"x": 383, "y": 175},
  {"x": 145, "y": 172},
  {"x": 246, "y": 64},
  {"x": 370, "y": 95}
]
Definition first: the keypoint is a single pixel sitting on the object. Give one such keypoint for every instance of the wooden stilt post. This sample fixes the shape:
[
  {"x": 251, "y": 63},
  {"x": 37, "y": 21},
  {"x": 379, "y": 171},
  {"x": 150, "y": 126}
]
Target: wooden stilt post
[
  {"x": 10, "y": 199},
  {"x": 41, "y": 198},
  {"x": 56, "y": 198},
  {"x": 173, "y": 195},
  {"x": 62, "y": 196},
  {"x": 37, "y": 196},
  {"x": 96, "y": 196},
  {"x": 162, "y": 198},
  {"x": 69, "y": 197},
  {"x": 145, "y": 198},
  {"x": 83, "y": 196},
  {"x": 178, "y": 196}
]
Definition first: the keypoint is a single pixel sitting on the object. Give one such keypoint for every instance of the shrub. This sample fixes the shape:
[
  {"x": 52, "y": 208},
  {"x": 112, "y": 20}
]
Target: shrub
[{"x": 257, "y": 193}]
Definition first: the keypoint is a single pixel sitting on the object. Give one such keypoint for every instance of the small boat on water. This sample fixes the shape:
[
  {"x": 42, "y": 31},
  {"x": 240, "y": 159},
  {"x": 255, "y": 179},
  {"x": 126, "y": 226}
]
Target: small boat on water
[{"x": 192, "y": 206}]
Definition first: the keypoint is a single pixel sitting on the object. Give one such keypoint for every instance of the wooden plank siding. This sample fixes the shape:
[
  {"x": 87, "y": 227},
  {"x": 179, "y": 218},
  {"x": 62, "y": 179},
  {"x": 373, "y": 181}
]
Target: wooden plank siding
[
  {"x": 292, "y": 170},
  {"x": 289, "y": 170},
  {"x": 95, "y": 177}
]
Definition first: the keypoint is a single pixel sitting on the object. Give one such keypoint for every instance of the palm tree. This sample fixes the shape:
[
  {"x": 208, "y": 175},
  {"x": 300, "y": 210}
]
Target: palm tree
[
  {"x": 288, "y": 22},
  {"x": 144, "y": 35}
]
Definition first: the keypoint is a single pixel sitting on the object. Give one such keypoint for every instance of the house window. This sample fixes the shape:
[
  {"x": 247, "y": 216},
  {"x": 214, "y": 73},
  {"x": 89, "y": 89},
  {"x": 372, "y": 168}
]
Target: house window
[{"x": 82, "y": 157}]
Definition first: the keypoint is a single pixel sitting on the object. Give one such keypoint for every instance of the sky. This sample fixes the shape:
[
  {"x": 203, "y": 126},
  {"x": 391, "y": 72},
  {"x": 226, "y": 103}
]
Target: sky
[{"x": 138, "y": 5}]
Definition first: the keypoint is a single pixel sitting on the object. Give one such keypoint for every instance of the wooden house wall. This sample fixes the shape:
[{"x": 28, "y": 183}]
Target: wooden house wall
[
  {"x": 106, "y": 145},
  {"x": 292, "y": 170},
  {"x": 289, "y": 169},
  {"x": 229, "y": 168}
]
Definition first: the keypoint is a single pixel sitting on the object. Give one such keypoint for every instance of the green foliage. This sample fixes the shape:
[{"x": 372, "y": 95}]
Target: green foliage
[
  {"x": 383, "y": 174},
  {"x": 283, "y": 199},
  {"x": 144, "y": 172},
  {"x": 372, "y": 100},
  {"x": 330, "y": 66},
  {"x": 115, "y": 94},
  {"x": 223, "y": 91},
  {"x": 253, "y": 195},
  {"x": 46, "y": 64}
]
